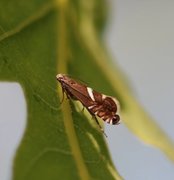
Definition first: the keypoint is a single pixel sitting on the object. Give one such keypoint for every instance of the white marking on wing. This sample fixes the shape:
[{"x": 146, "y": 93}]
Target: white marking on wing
[
  {"x": 103, "y": 96},
  {"x": 111, "y": 122},
  {"x": 90, "y": 93},
  {"x": 107, "y": 120},
  {"x": 90, "y": 107},
  {"x": 96, "y": 113}
]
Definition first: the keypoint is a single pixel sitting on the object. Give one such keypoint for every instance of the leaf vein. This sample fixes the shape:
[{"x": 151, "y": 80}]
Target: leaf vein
[
  {"x": 44, "y": 10},
  {"x": 41, "y": 154}
]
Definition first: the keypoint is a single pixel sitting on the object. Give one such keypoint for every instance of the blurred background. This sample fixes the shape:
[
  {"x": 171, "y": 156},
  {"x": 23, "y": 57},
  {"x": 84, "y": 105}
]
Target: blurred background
[{"x": 140, "y": 36}]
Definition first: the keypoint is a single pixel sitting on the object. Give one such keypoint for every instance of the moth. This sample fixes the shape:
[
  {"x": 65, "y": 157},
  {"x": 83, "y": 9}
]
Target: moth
[{"x": 97, "y": 104}]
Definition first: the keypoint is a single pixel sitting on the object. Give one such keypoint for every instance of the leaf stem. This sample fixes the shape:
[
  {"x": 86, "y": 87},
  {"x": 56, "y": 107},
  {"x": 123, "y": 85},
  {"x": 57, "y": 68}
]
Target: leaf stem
[{"x": 66, "y": 110}]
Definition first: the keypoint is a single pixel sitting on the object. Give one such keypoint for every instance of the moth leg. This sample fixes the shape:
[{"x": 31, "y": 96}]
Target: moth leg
[
  {"x": 94, "y": 117},
  {"x": 67, "y": 97},
  {"x": 63, "y": 95}
]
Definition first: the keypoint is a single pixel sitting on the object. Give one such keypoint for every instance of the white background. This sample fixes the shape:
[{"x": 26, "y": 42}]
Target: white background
[{"x": 140, "y": 35}]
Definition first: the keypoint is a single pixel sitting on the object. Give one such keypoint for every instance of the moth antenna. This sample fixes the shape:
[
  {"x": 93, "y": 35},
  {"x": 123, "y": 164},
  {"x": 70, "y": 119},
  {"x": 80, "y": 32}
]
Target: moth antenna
[
  {"x": 102, "y": 130},
  {"x": 62, "y": 96}
]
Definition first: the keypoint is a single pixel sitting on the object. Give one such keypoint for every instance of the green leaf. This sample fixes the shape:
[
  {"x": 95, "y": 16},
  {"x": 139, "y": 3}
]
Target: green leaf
[{"x": 37, "y": 39}]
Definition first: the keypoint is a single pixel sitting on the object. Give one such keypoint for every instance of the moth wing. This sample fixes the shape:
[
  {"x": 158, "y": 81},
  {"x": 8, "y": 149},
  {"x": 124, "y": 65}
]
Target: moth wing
[{"x": 80, "y": 93}]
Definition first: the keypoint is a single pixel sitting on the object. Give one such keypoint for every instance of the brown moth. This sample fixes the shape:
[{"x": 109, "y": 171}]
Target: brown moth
[{"x": 97, "y": 104}]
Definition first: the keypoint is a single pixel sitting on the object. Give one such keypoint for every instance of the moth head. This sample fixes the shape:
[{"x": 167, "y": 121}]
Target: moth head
[
  {"x": 63, "y": 78},
  {"x": 60, "y": 77}
]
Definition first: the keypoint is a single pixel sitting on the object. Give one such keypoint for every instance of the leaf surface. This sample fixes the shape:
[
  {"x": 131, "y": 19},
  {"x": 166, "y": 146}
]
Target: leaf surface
[
  {"x": 42, "y": 39},
  {"x": 58, "y": 140}
]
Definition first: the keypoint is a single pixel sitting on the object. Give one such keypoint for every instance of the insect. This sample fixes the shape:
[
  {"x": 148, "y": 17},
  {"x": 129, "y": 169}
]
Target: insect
[{"x": 97, "y": 104}]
